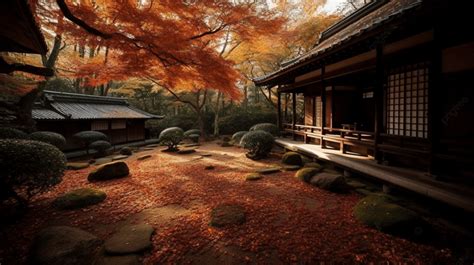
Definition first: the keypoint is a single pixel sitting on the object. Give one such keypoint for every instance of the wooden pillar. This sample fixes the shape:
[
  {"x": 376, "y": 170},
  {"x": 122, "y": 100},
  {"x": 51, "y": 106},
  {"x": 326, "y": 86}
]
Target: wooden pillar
[
  {"x": 323, "y": 105},
  {"x": 378, "y": 99},
  {"x": 314, "y": 111},
  {"x": 294, "y": 114},
  {"x": 333, "y": 106},
  {"x": 279, "y": 122},
  {"x": 434, "y": 101}
]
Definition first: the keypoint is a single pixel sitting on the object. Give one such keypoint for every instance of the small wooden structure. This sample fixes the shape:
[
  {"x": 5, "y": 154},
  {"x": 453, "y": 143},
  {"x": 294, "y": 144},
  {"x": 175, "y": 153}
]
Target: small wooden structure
[
  {"x": 392, "y": 81},
  {"x": 70, "y": 113}
]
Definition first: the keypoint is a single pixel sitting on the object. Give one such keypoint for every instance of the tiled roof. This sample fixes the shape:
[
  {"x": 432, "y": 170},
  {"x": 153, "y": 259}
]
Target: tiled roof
[
  {"x": 59, "y": 105},
  {"x": 374, "y": 19}
]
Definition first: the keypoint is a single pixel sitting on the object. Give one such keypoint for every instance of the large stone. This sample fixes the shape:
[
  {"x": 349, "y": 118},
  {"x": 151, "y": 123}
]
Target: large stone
[
  {"x": 130, "y": 239},
  {"x": 79, "y": 198},
  {"x": 59, "y": 245},
  {"x": 108, "y": 171},
  {"x": 77, "y": 165},
  {"x": 227, "y": 214},
  {"x": 305, "y": 174},
  {"x": 292, "y": 158},
  {"x": 380, "y": 212},
  {"x": 330, "y": 182}
]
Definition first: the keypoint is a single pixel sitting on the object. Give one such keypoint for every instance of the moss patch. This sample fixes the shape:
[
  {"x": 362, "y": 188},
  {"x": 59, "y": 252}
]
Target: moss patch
[
  {"x": 290, "y": 167},
  {"x": 227, "y": 214},
  {"x": 305, "y": 174},
  {"x": 79, "y": 198},
  {"x": 292, "y": 158}
]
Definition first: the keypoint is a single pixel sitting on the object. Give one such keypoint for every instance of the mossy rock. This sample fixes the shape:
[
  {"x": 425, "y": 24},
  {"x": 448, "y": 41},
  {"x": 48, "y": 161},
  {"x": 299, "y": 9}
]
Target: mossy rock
[
  {"x": 292, "y": 158},
  {"x": 127, "y": 151},
  {"x": 253, "y": 176},
  {"x": 313, "y": 165},
  {"x": 305, "y": 174},
  {"x": 108, "y": 171},
  {"x": 380, "y": 212},
  {"x": 77, "y": 165},
  {"x": 270, "y": 170},
  {"x": 227, "y": 214},
  {"x": 210, "y": 167},
  {"x": 79, "y": 198},
  {"x": 330, "y": 182}
]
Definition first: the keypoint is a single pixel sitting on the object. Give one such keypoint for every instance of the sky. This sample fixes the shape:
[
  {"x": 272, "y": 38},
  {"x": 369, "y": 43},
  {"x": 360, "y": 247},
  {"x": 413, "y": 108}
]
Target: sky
[{"x": 332, "y": 5}]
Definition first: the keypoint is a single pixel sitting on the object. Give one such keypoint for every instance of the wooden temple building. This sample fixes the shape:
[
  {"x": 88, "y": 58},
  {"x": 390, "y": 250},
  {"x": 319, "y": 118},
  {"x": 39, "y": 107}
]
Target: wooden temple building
[
  {"x": 70, "y": 113},
  {"x": 392, "y": 82}
]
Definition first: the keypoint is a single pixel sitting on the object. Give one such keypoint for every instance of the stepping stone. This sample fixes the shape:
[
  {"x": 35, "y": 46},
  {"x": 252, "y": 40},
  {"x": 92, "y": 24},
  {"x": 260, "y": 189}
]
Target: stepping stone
[
  {"x": 119, "y": 157},
  {"x": 76, "y": 165},
  {"x": 209, "y": 168},
  {"x": 291, "y": 168},
  {"x": 227, "y": 214},
  {"x": 130, "y": 239},
  {"x": 270, "y": 170},
  {"x": 108, "y": 171},
  {"x": 253, "y": 176},
  {"x": 79, "y": 198},
  {"x": 118, "y": 260},
  {"x": 330, "y": 182},
  {"x": 143, "y": 157},
  {"x": 146, "y": 149},
  {"x": 104, "y": 160},
  {"x": 59, "y": 245},
  {"x": 186, "y": 151}
]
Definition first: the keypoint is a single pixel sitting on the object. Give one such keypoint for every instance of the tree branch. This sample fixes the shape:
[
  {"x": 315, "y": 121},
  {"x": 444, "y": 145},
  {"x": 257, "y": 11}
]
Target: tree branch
[{"x": 9, "y": 68}]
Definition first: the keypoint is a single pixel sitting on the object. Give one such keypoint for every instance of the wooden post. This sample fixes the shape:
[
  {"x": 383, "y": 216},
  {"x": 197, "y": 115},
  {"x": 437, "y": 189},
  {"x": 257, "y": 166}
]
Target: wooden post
[
  {"x": 323, "y": 105},
  {"x": 279, "y": 123},
  {"x": 294, "y": 114},
  {"x": 333, "y": 106},
  {"x": 378, "y": 96},
  {"x": 314, "y": 111}
]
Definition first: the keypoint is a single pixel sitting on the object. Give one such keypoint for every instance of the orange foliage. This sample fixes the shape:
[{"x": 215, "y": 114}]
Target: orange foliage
[{"x": 174, "y": 42}]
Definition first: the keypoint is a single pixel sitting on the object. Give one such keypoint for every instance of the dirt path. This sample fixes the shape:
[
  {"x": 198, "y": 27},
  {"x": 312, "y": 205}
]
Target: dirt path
[{"x": 287, "y": 220}]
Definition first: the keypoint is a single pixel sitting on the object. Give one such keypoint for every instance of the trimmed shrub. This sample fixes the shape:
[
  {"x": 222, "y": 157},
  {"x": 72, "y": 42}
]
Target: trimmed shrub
[
  {"x": 28, "y": 168},
  {"x": 101, "y": 147},
  {"x": 171, "y": 137},
  {"x": 12, "y": 133},
  {"x": 258, "y": 143},
  {"x": 126, "y": 151},
  {"x": 268, "y": 127},
  {"x": 86, "y": 138},
  {"x": 53, "y": 138},
  {"x": 292, "y": 158},
  {"x": 236, "y": 137},
  {"x": 194, "y": 138},
  {"x": 192, "y": 131}
]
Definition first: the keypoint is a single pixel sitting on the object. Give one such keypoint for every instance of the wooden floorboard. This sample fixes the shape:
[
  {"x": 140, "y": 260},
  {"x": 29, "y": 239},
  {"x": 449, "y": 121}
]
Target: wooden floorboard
[{"x": 410, "y": 179}]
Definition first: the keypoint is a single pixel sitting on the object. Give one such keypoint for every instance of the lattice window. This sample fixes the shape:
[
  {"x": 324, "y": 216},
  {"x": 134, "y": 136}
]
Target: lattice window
[
  {"x": 407, "y": 101},
  {"x": 319, "y": 111}
]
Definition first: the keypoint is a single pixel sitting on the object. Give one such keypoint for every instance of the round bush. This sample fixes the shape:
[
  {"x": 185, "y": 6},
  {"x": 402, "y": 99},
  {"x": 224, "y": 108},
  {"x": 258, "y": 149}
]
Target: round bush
[
  {"x": 192, "y": 131},
  {"x": 292, "y": 158},
  {"x": 258, "y": 143},
  {"x": 28, "y": 168},
  {"x": 194, "y": 137},
  {"x": 88, "y": 137},
  {"x": 236, "y": 137},
  {"x": 171, "y": 137},
  {"x": 268, "y": 127},
  {"x": 12, "y": 133},
  {"x": 53, "y": 138},
  {"x": 101, "y": 147}
]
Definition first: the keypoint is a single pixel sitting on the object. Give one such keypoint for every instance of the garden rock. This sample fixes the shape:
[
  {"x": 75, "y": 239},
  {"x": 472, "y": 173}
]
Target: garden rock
[
  {"x": 143, "y": 157},
  {"x": 79, "y": 198},
  {"x": 380, "y": 212},
  {"x": 130, "y": 239},
  {"x": 101, "y": 161},
  {"x": 227, "y": 214},
  {"x": 270, "y": 170},
  {"x": 119, "y": 157},
  {"x": 329, "y": 181},
  {"x": 253, "y": 176},
  {"x": 126, "y": 151},
  {"x": 77, "y": 165},
  {"x": 292, "y": 158},
  {"x": 305, "y": 174},
  {"x": 313, "y": 165},
  {"x": 112, "y": 170},
  {"x": 60, "y": 245}
]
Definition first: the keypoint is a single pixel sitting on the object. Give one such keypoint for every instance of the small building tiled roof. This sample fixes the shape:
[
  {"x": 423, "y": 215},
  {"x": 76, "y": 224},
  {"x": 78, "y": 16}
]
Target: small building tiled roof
[
  {"x": 61, "y": 106},
  {"x": 332, "y": 38}
]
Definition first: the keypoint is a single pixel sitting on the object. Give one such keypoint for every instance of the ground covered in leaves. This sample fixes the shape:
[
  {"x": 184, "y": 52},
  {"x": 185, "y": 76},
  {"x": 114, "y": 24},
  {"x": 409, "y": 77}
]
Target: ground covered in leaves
[{"x": 287, "y": 221}]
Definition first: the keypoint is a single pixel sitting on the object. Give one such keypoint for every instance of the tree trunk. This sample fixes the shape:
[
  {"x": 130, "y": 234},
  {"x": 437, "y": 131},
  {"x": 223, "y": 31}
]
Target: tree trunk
[{"x": 216, "y": 116}]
